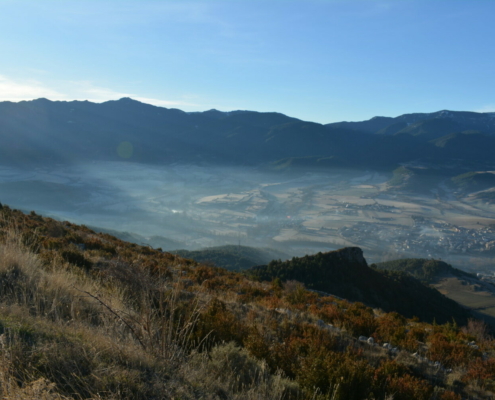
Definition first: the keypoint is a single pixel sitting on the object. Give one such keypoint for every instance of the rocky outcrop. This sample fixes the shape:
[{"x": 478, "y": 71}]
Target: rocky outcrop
[{"x": 351, "y": 255}]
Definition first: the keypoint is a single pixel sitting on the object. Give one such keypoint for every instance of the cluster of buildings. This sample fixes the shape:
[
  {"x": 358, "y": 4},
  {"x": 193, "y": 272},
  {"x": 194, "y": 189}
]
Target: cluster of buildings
[{"x": 426, "y": 237}]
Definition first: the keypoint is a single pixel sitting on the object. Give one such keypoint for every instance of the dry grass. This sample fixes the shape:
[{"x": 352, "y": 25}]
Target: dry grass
[
  {"x": 230, "y": 369},
  {"x": 86, "y": 363},
  {"x": 49, "y": 292},
  {"x": 65, "y": 334}
]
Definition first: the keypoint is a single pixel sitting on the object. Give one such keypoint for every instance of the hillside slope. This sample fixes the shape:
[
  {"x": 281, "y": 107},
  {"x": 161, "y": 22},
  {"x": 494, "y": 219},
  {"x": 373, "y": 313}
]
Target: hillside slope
[
  {"x": 345, "y": 273},
  {"x": 478, "y": 295},
  {"x": 426, "y": 270},
  {"x": 232, "y": 257},
  {"x": 88, "y": 316},
  {"x": 474, "y": 181}
]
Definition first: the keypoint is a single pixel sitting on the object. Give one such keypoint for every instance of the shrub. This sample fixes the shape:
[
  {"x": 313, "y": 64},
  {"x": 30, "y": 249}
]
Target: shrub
[
  {"x": 219, "y": 324},
  {"x": 481, "y": 373},
  {"x": 337, "y": 376},
  {"x": 76, "y": 258},
  {"x": 391, "y": 328},
  {"x": 408, "y": 387}
]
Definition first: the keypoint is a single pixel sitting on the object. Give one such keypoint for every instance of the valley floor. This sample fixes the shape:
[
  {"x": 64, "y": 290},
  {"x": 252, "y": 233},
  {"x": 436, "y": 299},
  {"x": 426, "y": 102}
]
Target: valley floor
[{"x": 299, "y": 213}]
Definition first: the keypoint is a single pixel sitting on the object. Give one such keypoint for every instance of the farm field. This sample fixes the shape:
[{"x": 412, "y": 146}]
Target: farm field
[
  {"x": 298, "y": 212},
  {"x": 478, "y": 297}
]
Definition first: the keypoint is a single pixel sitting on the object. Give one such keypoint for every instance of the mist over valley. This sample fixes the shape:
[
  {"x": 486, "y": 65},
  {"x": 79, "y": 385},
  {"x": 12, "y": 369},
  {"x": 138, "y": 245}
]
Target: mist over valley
[{"x": 419, "y": 185}]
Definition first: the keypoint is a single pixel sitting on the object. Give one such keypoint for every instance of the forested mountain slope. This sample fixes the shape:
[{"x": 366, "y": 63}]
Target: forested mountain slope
[
  {"x": 232, "y": 257},
  {"x": 42, "y": 131},
  {"x": 423, "y": 269},
  {"x": 345, "y": 273}
]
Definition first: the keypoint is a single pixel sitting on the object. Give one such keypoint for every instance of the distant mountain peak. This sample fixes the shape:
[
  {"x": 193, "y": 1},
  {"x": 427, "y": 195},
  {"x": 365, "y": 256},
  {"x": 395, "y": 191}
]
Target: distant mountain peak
[
  {"x": 128, "y": 100},
  {"x": 43, "y": 100},
  {"x": 379, "y": 117}
]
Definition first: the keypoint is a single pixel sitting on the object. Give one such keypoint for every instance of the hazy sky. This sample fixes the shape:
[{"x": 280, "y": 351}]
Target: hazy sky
[{"x": 322, "y": 61}]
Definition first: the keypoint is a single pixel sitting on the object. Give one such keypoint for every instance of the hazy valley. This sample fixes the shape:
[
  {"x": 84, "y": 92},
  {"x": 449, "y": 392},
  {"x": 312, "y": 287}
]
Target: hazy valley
[{"x": 298, "y": 212}]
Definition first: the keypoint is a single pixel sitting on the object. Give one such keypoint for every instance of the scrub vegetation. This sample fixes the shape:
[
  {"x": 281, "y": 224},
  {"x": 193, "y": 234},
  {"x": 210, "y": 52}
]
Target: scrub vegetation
[{"x": 88, "y": 316}]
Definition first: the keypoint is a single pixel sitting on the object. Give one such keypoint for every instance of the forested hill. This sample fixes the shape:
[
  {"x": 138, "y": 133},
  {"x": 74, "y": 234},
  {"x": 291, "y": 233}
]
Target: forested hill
[
  {"x": 43, "y": 131},
  {"x": 232, "y": 257},
  {"x": 426, "y": 270},
  {"x": 345, "y": 273}
]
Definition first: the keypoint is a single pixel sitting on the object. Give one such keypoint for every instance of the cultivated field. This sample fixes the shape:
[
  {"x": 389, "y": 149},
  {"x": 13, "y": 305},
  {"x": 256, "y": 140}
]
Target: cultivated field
[
  {"x": 303, "y": 212},
  {"x": 476, "y": 295}
]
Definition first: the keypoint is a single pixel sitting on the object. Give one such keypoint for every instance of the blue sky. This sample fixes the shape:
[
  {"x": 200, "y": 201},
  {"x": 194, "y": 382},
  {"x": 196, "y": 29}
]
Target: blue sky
[{"x": 321, "y": 61}]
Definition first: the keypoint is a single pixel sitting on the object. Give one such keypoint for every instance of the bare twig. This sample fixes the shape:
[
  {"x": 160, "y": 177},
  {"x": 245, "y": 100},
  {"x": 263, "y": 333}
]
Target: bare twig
[{"x": 115, "y": 314}]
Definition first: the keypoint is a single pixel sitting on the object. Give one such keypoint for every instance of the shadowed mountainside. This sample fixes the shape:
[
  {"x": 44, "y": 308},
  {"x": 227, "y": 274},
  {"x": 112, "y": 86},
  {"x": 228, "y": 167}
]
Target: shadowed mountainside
[
  {"x": 473, "y": 181},
  {"x": 43, "y": 131},
  {"x": 232, "y": 257},
  {"x": 346, "y": 274},
  {"x": 419, "y": 123},
  {"x": 426, "y": 270}
]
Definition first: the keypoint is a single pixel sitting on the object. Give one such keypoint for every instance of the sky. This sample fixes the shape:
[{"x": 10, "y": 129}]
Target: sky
[{"x": 321, "y": 61}]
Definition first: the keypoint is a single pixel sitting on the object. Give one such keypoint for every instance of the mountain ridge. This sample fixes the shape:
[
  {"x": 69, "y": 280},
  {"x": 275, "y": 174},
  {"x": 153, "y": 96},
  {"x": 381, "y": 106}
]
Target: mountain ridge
[
  {"x": 43, "y": 131},
  {"x": 376, "y": 124}
]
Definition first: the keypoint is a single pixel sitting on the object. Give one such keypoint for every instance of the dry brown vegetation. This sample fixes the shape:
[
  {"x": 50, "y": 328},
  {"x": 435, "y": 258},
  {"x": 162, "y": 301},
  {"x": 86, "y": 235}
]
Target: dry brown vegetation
[{"x": 87, "y": 316}]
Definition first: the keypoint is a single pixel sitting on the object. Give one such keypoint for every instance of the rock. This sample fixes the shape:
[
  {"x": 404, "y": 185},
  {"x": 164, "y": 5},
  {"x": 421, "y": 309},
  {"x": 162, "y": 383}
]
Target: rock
[{"x": 352, "y": 254}]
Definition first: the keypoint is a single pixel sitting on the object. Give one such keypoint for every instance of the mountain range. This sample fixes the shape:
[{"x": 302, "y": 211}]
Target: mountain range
[
  {"x": 433, "y": 125},
  {"x": 44, "y": 131}
]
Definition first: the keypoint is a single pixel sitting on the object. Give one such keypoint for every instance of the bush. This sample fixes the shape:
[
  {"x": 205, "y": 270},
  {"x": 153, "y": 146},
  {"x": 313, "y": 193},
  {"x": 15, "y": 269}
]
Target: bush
[{"x": 76, "y": 258}]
